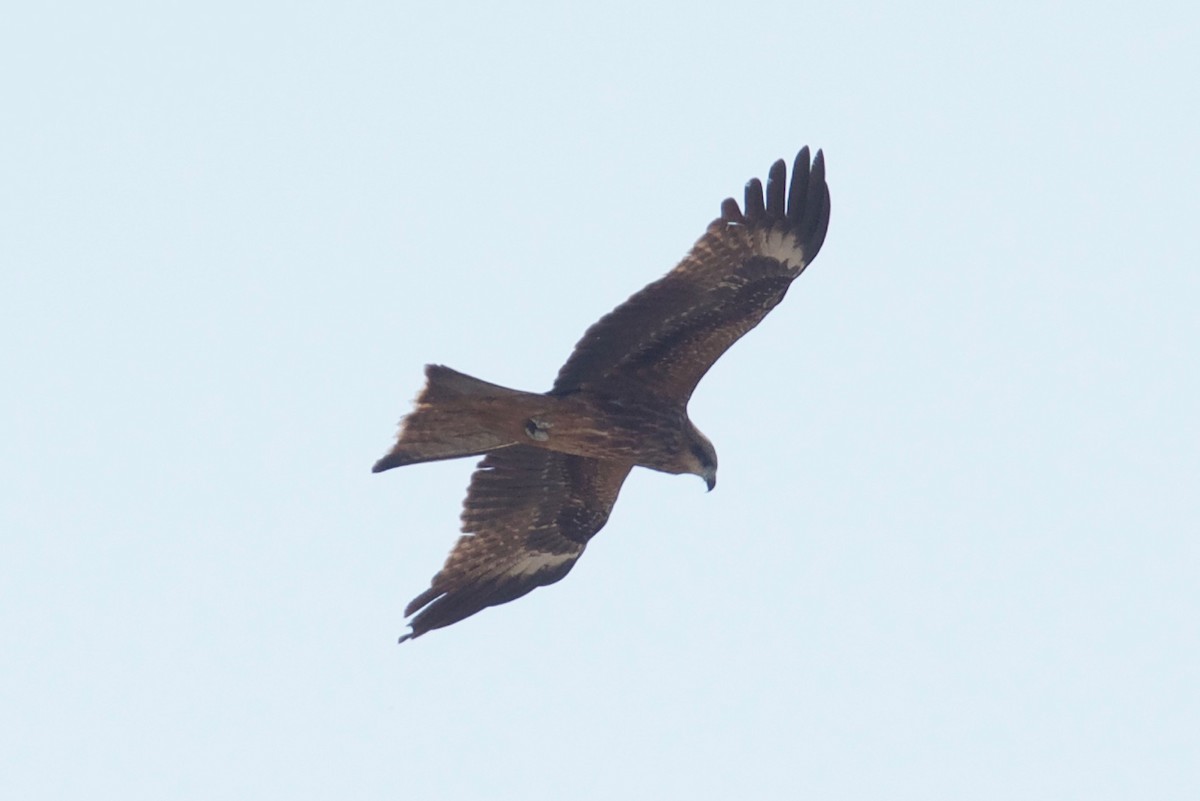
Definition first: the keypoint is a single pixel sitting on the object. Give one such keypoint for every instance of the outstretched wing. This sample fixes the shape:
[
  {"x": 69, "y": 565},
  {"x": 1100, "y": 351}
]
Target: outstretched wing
[
  {"x": 669, "y": 334},
  {"x": 527, "y": 517}
]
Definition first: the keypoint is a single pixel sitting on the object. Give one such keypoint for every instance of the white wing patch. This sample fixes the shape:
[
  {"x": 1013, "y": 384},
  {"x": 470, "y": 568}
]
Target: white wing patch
[
  {"x": 535, "y": 562},
  {"x": 781, "y": 245}
]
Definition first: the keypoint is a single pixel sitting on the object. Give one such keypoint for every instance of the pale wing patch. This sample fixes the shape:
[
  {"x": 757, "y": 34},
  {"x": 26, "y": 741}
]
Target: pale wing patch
[
  {"x": 782, "y": 245},
  {"x": 534, "y": 562}
]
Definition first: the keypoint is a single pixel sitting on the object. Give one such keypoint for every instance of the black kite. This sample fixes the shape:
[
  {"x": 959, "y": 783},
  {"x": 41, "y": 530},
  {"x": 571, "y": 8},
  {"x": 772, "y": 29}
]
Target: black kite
[{"x": 556, "y": 460}]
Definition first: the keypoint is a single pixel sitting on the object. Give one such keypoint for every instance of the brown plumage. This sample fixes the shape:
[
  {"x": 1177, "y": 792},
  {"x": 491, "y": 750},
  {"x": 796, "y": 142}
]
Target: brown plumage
[{"x": 555, "y": 461}]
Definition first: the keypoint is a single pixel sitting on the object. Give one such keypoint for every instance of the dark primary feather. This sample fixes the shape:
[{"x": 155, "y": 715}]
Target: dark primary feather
[
  {"x": 669, "y": 334},
  {"x": 527, "y": 517}
]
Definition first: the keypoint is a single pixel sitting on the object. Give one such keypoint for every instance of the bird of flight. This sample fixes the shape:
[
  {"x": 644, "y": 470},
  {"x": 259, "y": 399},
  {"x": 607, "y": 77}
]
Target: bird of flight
[{"x": 555, "y": 461}]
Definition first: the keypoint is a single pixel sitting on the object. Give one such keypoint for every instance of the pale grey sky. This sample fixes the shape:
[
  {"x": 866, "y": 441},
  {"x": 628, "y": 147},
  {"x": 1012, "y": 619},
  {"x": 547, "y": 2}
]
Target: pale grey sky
[{"x": 953, "y": 553}]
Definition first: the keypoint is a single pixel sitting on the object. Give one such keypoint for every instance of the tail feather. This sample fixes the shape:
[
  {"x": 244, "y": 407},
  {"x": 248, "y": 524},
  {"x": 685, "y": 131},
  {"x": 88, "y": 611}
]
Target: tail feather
[
  {"x": 453, "y": 417},
  {"x": 443, "y": 383}
]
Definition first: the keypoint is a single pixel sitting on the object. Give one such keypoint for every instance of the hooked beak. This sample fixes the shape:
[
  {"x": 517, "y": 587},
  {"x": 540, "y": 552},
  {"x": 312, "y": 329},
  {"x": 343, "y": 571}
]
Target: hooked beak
[{"x": 710, "y": 478}]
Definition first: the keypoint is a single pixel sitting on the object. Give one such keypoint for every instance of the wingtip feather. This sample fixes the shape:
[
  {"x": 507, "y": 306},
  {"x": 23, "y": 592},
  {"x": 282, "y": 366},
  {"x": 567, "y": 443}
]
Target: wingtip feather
[
  {"x": 731, "y": 211},
  {"x": 798, "y": 189},
  {"x": 421, "y": 600},
  {"x": 804, "y": 201},
  {"x": 776, "y": 189},
  {"x": 800, "y": 206},
  {"x": 755, "y": 208}
]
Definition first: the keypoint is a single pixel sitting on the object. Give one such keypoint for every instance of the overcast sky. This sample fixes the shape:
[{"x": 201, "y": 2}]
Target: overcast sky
[{"x": 953, "y": 552}]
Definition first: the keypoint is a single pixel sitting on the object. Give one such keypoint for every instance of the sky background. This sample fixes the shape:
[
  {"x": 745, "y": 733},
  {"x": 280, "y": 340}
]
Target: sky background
[{"x": 953, "y": 552}]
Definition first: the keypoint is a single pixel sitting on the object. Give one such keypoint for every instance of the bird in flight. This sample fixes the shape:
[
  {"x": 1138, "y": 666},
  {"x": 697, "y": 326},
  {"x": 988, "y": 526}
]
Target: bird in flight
[{"x": 554, "y": 462}]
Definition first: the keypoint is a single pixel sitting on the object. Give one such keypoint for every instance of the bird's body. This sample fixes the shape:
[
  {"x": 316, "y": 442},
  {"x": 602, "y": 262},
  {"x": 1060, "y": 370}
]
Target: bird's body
[
  {"x": 555, "y": 461},
  {"x": 476, "y": 417}
]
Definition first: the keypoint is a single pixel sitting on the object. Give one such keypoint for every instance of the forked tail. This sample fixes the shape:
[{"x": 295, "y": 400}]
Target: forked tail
[{"x": 455, "y": 415}]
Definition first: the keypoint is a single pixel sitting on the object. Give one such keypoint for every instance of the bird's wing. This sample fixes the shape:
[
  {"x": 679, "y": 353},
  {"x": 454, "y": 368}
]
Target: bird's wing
[
  {"x": 527, "y": 517},
  {"x": 669, "y": 334}
]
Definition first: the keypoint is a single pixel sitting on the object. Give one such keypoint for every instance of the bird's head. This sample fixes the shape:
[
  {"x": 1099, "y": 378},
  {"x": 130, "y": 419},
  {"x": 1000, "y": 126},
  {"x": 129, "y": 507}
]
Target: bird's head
[{"x": 702, "y": 458}]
